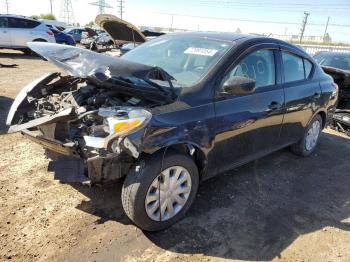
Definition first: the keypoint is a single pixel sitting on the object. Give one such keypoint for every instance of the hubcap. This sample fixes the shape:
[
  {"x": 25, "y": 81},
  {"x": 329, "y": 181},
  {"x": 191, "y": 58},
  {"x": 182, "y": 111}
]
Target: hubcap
[
  {"x": 312, "y": 135},
  {"x": 168, "y": 193}
]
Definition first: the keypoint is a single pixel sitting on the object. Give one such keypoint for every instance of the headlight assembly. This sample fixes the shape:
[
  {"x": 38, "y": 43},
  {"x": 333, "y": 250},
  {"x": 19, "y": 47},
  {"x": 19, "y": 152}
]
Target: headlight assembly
[{"x": 119, "y": 122}]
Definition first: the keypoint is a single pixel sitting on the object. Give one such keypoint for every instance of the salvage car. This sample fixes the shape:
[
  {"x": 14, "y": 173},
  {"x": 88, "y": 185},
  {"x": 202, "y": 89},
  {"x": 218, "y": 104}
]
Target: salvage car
[
  {"x": 337, "y": 65},
  {"x": 172, "y": 112}
]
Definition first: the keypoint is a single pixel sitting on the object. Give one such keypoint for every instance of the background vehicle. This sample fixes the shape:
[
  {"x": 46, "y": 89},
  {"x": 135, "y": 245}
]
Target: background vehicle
[
  {"x": 334, "y": 59},
  {"x": 17, "y": 31},
  {"x": 337, "y": 65},
  {"x": 101, "y": 40},
  {"x": 62, "y": 38},
  {"x": 76, "y": 33},
  {"x": 174, "y": 111}
]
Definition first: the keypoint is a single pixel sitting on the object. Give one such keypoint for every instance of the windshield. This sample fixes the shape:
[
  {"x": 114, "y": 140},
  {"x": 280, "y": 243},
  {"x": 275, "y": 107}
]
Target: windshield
[
  {"x": 187, "y": 59},
  {"x": 341, "y": 61}
]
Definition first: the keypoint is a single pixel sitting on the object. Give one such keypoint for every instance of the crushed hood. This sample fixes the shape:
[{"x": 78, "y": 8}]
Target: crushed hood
[
  {"x": 83, "y": 63},
  {"x": 121, "y": 31}
]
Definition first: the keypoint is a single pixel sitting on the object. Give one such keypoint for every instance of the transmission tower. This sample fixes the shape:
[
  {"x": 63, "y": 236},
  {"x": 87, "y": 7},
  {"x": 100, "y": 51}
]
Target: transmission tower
[
  {"x": 303, "y": 25},
  {"x": 121, "y": 8},
  {"x": 67, "y": 14},
  {"x": 101, "y": 6}
]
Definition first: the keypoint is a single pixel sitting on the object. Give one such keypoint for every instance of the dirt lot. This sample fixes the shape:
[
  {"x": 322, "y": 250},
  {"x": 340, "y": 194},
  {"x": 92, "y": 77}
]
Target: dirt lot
[{"x": 281, "y": 207}]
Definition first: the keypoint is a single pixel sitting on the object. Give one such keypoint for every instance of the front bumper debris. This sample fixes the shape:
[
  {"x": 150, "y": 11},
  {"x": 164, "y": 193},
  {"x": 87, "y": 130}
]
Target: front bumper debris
[{"x": 67, "y": 149}]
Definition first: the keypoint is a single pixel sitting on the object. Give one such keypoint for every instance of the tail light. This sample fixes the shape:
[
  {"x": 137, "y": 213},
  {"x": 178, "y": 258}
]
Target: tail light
[{"x": 49, "y": 33}]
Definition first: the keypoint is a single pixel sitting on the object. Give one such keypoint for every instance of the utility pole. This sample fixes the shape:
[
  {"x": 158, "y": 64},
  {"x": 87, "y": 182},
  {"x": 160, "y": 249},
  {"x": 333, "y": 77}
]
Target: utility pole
[
  {"x": 172, "y": 22},
  {"x": 7, "y": 6},
  {"x": 51, "y": 7},
  {"x": 325, "y": 31},
  {"x": 303, "y": 25},
  {"x": 121, "y": 8}
]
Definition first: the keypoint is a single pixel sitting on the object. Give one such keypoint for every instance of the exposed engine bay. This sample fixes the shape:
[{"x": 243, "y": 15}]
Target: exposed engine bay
[
  {"x": 89, "y": 113},
  {"x": 341, "y": 117}
]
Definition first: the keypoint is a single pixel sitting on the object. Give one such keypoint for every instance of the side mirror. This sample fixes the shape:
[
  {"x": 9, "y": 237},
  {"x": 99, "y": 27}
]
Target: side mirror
[{"x": 238, "y": 85}]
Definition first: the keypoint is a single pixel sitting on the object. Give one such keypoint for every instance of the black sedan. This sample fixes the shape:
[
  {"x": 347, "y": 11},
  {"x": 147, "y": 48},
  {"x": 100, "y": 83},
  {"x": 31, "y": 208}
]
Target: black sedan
[{"x": 172, "y": 112}]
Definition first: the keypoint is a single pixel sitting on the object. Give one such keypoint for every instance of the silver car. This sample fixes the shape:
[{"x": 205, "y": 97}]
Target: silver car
[{"x": 16, "y": 31}]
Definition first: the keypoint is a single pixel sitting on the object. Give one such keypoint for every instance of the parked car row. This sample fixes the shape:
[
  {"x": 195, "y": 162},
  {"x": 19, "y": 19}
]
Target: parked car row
[{"x": 16, "y": 31}]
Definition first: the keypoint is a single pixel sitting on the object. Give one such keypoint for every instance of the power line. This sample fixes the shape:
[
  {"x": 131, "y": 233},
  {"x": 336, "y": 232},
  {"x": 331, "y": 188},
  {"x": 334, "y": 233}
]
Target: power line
[
  {"x": 253, "y": 20},
  {"x": 274, "y": 4}
]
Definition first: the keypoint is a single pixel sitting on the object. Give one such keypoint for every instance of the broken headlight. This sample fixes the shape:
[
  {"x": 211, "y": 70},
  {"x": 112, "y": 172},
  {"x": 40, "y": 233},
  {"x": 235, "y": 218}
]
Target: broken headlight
[{"x": 119, "y": 122}]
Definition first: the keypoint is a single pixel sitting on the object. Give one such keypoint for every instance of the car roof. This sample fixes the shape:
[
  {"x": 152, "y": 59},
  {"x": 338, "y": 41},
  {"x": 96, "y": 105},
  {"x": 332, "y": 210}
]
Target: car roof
[{"x": 19, "y": 16}]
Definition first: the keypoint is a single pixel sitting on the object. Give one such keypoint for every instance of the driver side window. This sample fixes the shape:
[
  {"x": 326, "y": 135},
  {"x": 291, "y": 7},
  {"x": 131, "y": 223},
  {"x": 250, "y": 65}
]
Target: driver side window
[{"x": 258, "y": 66}]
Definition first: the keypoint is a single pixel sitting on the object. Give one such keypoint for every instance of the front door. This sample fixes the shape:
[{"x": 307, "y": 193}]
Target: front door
[{"x": 249, "y": 125}]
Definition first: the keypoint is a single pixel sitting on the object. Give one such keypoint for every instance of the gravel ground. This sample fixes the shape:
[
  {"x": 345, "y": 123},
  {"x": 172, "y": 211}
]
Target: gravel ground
[{"x": 281, "y": 207}]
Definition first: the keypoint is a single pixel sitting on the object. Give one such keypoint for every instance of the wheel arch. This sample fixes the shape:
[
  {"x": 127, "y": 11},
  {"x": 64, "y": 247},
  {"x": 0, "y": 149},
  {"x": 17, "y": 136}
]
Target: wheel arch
[
  {"x": 39, "y": 40},
  {"x": 189, "y": 148},
  {"x": 323, "y": 115}
]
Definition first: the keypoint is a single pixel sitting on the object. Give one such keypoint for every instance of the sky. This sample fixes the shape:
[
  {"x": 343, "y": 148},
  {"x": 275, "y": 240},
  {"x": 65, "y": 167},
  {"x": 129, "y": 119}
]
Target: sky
[{"x": 250, "y": 16}]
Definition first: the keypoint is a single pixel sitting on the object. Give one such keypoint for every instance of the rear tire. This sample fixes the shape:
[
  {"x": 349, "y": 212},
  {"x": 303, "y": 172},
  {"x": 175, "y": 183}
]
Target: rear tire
[
  {"x": 140, "y": 180},
  {"x": 307, "y": 145}
]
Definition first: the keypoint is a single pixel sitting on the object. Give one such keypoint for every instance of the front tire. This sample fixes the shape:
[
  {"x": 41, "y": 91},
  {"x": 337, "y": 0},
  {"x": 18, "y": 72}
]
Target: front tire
[
  {"x": 307, "y": 145},
  {"x": 158, "y": 191}
]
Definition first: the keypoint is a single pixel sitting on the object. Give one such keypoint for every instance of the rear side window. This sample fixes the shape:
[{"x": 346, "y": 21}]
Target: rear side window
[
  {"x": 308, "y": 68},
  {"x": 22, "y": 23},
  {"x": 3, "y": 22},
  {"x": 293, "y": 67}
]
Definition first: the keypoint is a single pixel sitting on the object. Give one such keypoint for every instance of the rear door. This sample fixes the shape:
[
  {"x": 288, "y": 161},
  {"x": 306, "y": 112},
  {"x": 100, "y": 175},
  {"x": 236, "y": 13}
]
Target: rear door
[
  {"x": 5, "y": 36},
  {"x": 248, "y": 126},
  {"x": 22, "y": 31},
  {"x": 302, "y": 95}
]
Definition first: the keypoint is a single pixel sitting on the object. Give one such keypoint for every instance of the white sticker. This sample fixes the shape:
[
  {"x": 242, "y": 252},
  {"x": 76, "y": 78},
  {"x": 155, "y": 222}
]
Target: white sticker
[{"x": 200, "y": 51}]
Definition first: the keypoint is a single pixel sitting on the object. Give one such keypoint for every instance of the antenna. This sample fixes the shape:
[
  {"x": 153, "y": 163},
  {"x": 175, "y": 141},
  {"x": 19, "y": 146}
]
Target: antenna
[
  {"x": 67, "y": 14},
  {"x": 101, "y": 6},
  {"x": 121, "y": 8}
]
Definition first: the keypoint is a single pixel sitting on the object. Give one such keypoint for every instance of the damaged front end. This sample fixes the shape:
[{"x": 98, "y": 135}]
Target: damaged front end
[
  {"x": 90, "y": 113},
  {"x": 341, "y": 117}
]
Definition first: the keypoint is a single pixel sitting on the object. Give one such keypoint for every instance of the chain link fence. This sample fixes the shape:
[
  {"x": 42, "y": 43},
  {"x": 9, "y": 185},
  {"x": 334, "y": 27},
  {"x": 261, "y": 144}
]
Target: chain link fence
[{"x": 314, "y": 49}]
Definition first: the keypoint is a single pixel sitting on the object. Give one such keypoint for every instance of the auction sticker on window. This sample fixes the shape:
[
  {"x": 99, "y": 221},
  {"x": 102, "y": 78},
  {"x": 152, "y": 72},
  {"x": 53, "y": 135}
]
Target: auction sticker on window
[{"x": 200, "y": 51}]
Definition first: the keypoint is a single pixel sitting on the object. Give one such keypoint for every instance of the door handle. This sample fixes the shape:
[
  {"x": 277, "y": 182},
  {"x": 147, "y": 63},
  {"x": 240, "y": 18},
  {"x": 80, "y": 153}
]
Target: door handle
[
  {"x": 317, "y": 96},
  {"x": 274, "y": 106}
]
